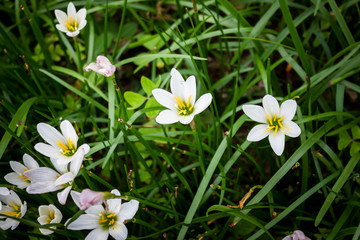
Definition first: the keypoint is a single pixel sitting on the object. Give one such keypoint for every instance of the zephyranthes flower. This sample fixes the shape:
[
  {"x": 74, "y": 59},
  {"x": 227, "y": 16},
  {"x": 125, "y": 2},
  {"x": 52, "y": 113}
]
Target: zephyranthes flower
[
  {"x": 106, "y": 221},
  {"x": 61, "y": 147},
  {"x": 72, "y": 22},
  {"x": 88, "y": 198},
  {"x": 276, "y": 122},
  {"x": 181, "y": 101},
  {"x": 102, "y": 66},
  {"x": 297, "y": 235},
  {"x": 17, "y": 178},
  {"x": 48, "y": 214},
  {"x": 14, "y": 208}
]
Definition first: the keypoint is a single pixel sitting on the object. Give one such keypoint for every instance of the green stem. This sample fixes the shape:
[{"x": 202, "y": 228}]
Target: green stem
[
  {"x": 78, "y": 54},
  {"x": 111, "y": 105}
]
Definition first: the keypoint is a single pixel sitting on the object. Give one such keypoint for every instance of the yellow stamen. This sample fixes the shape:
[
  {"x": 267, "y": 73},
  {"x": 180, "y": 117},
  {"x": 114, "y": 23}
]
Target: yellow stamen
[
  {"x": 71, "y": 21},
  {"x": 111, "y": 215},
  {"x": 280, "y": 124},
  {"x": 25, "y": 178},
  {"x": 179, "y": 102},
  {"x": 281, "y": 118},
  {"x": 268, "y": 117},
  {"x": 63, "y": 146},
  {"x": 52, "y": 215},
  {"x": 112, "y": 221},
  {"x": 49, "y": 220},
  {"x": 270, "y": 128},
  {"x": 75, "y": 24},
  {"x": 276, "y": 129},
  {"x": 191, "y": 108},
  {"x": 14, "y": 206},
  {"x": 188, "y": 102},
  {"x": 102, "y": 220},
  {"x": 275, "y": 118}
]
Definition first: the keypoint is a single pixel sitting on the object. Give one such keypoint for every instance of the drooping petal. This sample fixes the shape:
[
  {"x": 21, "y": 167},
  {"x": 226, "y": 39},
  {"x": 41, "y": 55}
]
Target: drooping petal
[
  {"x": 190, "y": 90},
  {"x": 186, "y": 119},
  {"x": 30, "y": 162},
  {"x": 93, "y": 66},
  {"x": 271, "y": 105},
  {"x": 177, "y": 83},
  {"x": 81, "y": 14},
  {"x": 165, "y": 98},
  {"x": 50, "y": 134},
  {"x": 61, "y": 17},
  {"x": 291, "y": 129},
  {"x": 15, "y": 179},
  {"x": 75, "y": 197},
  {"x": 167, "y": 117},
  {"x": 71, "y": 11},
  {"x": 85, "y": 221},
  {"x": 277, "y": 142},
  {"x": 69, "y": 132},
  {"x": 17, "y": 167},
  {"x": 65, "y": 178},
  {"x": 202, "y": 103},
  {"x": 97, "y": 234},
  {"x": 48, "y": 150},
  {"x": 78, "y": 158},
  {"x": 288, "y": 110},
  {"x": 62, "y": 196},
  {"x": 255, "y": 113},
  {"x": 128, "y": 210},
  {"x": 258, "y": 133},
  {"x": 42, "y": 187},
  {"x": 118, "y": 231},
  {"x": 41, "y": 174}
]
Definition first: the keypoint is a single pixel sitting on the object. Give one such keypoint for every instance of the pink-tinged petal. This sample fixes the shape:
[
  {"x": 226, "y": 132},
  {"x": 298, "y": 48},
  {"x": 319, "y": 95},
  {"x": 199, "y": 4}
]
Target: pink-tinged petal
[
  {"x": 61, "y": 17},
  {"x": 97, "y": 234},
  {"x": 288, "y": 110},
  {"x": 190, "y": 90},
  {"x": 128, "y": 210},
  {"x": 78, "y": 158},
  {"x": 62, "y": 196},
  {"x": 48, "y": 150},
  {"x": 69, "y": 132},
  {"x": 291, "y": 129},
  {"x": 177, "y": 83},
  {"x": 50, "y": 134},
  {"x": 277, "y": 142},
  {"x": 167, "y": 117},
  {"x": 118, "y": 231},
  {"x": 62, "y": 28},
  {"x": 202, "y": 103},
  {"x": 81, "y": 14},
  {"x": 30, "y": 162},
  {"x": 258, "y": 133},
  {"x": 85, "y": 221},
  {"x": 65, "y": 178},
  {"x": 41, "y": 174},
  {"x": 271, "y": 105},
  {"x": 15, "y": 179},
  {"x": 89, "y": 198},
  {"x": 165, "y": 98},
  {"x": 95, "y": 210},
  {"x": 42, "y": 187},
  {"x": 71, "y": 11},
  {"x": 17, "y": 167},
  {"x": 75, "y": 197},
  {"x": 255, "y": 113},
  {"x": 103, "y": 60},
  {"x": 93, "y": 66},
  {"x": 186, "y": 119}
]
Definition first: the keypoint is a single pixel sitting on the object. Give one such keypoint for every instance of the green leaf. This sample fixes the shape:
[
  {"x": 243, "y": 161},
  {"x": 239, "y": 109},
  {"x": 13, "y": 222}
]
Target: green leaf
[
  {"x": 150, "y": 104},
  {"x": 344, "y": 140},
  {"x": 355, "y": 148},
  {"x": 355, "y": 132},
  {"x": 134, "y": 99},
  {"x": 147, "y": 85}
]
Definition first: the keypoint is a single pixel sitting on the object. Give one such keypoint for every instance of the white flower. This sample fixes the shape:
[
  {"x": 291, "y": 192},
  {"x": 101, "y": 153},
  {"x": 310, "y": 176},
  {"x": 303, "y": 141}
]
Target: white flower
[
  {"x": 88, "y": 198},
  {"x": 181, "y": 101},
  {"x": 3, "y": 191},
  {"x": 102, "y": 66},
  {"x": 276, "y": 122},
  {"x": 14, "y": 208},
  {"x": 105, "y": 222},
  {"x": 45, "y": 179},
  {"x": 48, "y": 214},
  {"x": 17, "y": 178},
  {"x": 72, "y": 22},
  {"x": 297, "y": 235},
  {"x": 62, "y": 146}
]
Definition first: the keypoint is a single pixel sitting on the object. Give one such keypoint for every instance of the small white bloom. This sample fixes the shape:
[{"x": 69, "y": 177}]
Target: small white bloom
[
  {"x": 62, "y": 146},
  {"x": 48, "y": 214},
  {"x": 17, "y": 178},
  {"x": 297, "y": 235},
  {"x": 45, "y": 179},
  {"x": 181, "y": 101},
  {"x": 102, "y": 66},
  {"x": 14, "y": 208},
  {"x": 72, "y": 22},
  {"x": 105, "y": 222},
  {"x": 276, "y": 122},
  {"x": 3, "y": 191}
]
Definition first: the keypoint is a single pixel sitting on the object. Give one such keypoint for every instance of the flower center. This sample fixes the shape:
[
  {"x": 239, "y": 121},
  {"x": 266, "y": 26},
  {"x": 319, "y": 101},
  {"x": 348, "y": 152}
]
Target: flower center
[
  {"x": 184, "y": 108},
  {"x": 72, "y": 25},
  {"x": 16, "y": 210},
  {"x": 67, "y": 150},
  {"x": 107, "y": 219},
  {"x": 274, "y": 123},
  {"x": 22, "y": 176},
  {"x": 51, "y": 216}
]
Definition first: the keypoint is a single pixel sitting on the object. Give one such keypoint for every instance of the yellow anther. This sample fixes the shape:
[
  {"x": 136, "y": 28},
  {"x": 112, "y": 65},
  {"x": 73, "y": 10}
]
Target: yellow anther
[
  {"x": 188, "y": 102},
  {"x": 280, "y": 124},
  {"x": 268, "y": 117},
  {"x": 191, "y": 108},
  {"x": 49, "y": 220},
  {"x": 270, "y": 128},
  {"x": 111, "y": 215},
  {"x": 111, "y": 222},
  {"x": 25, "y": 178},
  {"x": 102, "y": 220},
  {"x": 275, "y": 118},
  {"x": 281, "y": 118},
  {"x": 14, "y": 206},
  {"x": 276, "y": 129},
  {"x": 75, "y": 24},
  {"x": 179, "y": 102},
  {"x": 71, "y": 21},
  {"x": 52, "y": 215}
]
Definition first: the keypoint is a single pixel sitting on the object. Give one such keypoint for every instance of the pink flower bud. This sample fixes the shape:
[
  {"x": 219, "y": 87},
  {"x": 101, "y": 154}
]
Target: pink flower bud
[
  {"x": 89, "y": 198},
  {"x": 102, "y": 66}
]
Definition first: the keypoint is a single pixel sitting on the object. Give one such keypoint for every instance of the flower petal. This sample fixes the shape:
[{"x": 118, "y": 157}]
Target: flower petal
[
  {"x": 73, "y": 34},
  {"x": 186, "y": 119},
  {"x": 62, "y": 28},
  {"x": 291, "y": 129},
  {"x": 75, "y": 197},
  {"x": 255, "y": 113},
  {"x": 85, "y": 221},
  {"x": 41, "y": 174},
  {"x": 202, "y": 103},
  {"x": 50, "y": 134},
  {"x": 4, "y": 191},
  {"x": 277, "y": 142},
  {"x": 128, "y": 210},
  {"x": 17, "y": 167},
  {"x": 288, "y": 109},
  {"x": 15, "y": 179},
  {"x": 65, "y": 178},
  {"x": 82, "y": 24},
  {"x": 95, "y": 210},
  {"x": 93, "y": 66},
  {"x": 69, "y": 132},
  {"x": 9, "y": 223},
  {"x": 81, "y": 14},
  {"x": 190, "y": 90},
  {"x": 165, "y": 98},
  {"x": 30, "y": 162},
  {"x": 61, "y": 17},
  {"x": 62, "y": 196},
  {"x": 42, "y": 187},
  {"x": 71, "y": 11},
  {"x": 97, "y": 234},
  {"x": 78, "y": 158},
  {"x": 167, "y": 117},
  {"x": 271, "y": 105},
  {"x": 177, "y": 84},
  {"x": 118, "y": 231},
  {"x": 258, "y": 133},
  {"x": 48, "y": 150}
]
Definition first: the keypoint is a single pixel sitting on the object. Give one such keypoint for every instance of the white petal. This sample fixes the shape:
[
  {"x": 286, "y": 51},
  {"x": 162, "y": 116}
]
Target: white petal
[
  {"x": 48, "y": 150},
  {"x": 114, "y": 205},
  {"x": 85, "y": 221},
  {"x": 9, "y": 223},
  {"x": 288, "y": 110},
  {"x": 258, "y": 132},
  {"x": 50, "y": 134},
  {"x": 81, "y": 14},
  {"x": 82, "y": 24},
  {"x": 44, "y": 210},
  {"x": 118, "y": 231},
  {"x": 75, "y": 197},
  {"x": 186, "y": 119},
  {"x": 42, "y": 187},
  {"x": 291, "y": 129},
  {"x": 30, "y": 162},
  {"x": 277, "y": 142},
  {"x": 62, "y": 28},
  {"x": 116, "y": 192},
  {"x": 4, "y": 191},
  {"x": 167, "y": 117},
  {"x": 61, "y": 17},
  {"x": 41, "y": 174},
  {"x": 255, "y": 113},
  {"x": 190, "y": 90},
  {"x": 177, "y": 84},
  {"x": 69, "y": 132},
  {"x": 103, "y": 60},
  {"x": 45, "y": 231},
  {"x": 165, "y": 98},
  {"x": 271, "y": 105},
  {"x": 62, "y": 196},
  {"x": 78, "y": 158},
  {"x": 65, "y": 178},
  {"x": 23, "y": 209},
  {"x": 72, "y": 34},
  {"x": 92, "y": 66},
  {"x": 128, "y": 210},
  {"x": 17, "y": 167},
  {"x": 14, "y": 179},
  {"x": 61, "y": 168},
  {"x": 43, "y": 219},
  {"x": 97, "y": 234},
  {"x": 202, "y": 103},
  {"x": 71, "y": 11},
  {"x": 95, "y": 210}
]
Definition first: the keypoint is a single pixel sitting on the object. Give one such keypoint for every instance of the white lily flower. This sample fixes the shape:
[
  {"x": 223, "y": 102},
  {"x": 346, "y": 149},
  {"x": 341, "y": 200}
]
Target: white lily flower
[
  {"x": 104, "y": 222},
  {"x": 17, "y": 178},
  {"x": 48, "y": 214},
  {"x": 102, "y": 66},
  {"x": 297, "y": 235},
  {"x": 181, "y": 101},
  {"x": 276, "y": 122},
  {"x": 72, "y": 22},
  {"x": 14, "y": 208},
  {"x": 3, "y": 191},
  {"x": 45, "y": 179},
  {"x": 62, "y": 146}
]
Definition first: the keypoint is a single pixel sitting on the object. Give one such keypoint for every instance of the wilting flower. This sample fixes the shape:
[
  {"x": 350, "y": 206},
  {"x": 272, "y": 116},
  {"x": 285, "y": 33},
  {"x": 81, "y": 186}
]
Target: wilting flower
[
  {"x": 102, "y": 66},
  {"x": 62, "y": 146},
  {"x": 181, "y": 101},
  {"x": 14, "y": 208},
  {"x": 104, "y": 222},
  {"x": 48, "y": 214},
  {"x": 72, "y": 22},
  {"x": 17, "y": 178},
  {"x": 89, "y": 198},
  {"x": 297, "y": 235},
  {"x": 45, "y": 179},
  {"x": 276, "y": 122}
]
